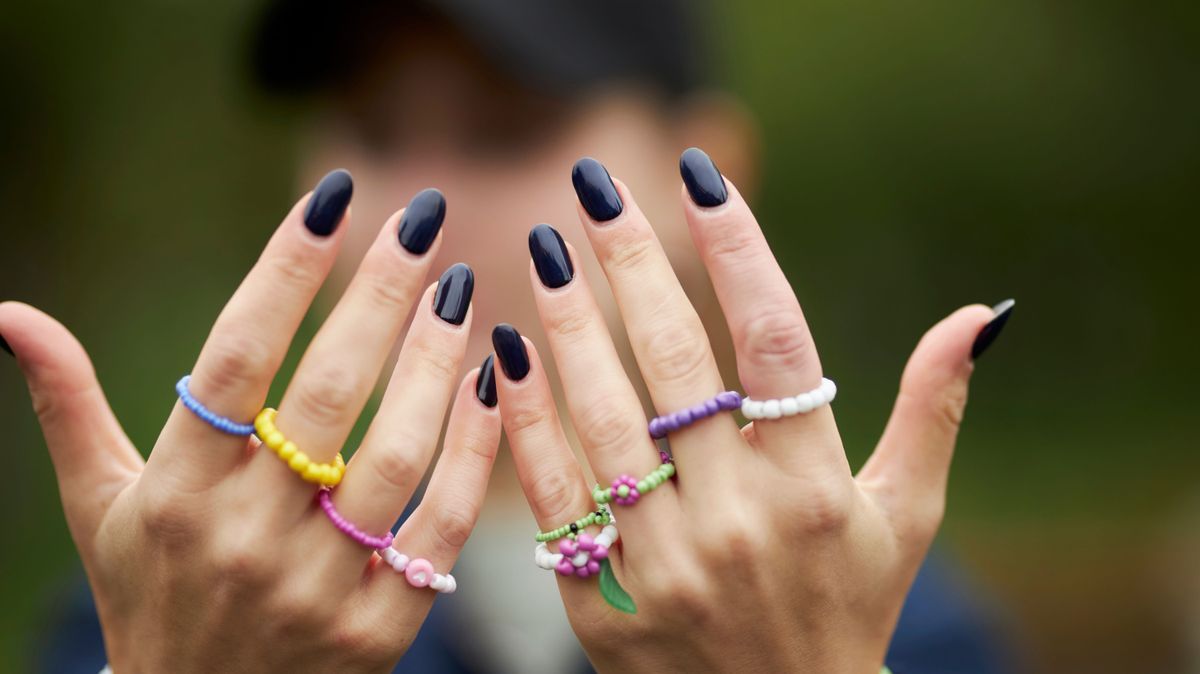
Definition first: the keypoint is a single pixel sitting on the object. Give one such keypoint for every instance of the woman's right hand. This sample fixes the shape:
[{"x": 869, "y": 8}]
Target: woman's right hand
[{"x": 212, "y": 555}]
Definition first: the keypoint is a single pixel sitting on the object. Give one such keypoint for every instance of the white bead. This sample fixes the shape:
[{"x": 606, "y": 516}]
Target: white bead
[
  {"x": 804, "y": 403},
  {"x": 771, "y": 409},
  {"x": 788, "y": 407},
  {"x": 603, "y": 540},
  {"x": 752, "y": 409},
  {"x": 400, "y": 563},
  {"x": 388, "y": 554},
  {"x": 439, "y": 582},
  {"x": 451, "y": 584},
  {"x": 610, "y": 531},
  {"x": 829, "y": 389},
  {"x": 554, "y": 560},
  {"x": 581, "y": 558}
]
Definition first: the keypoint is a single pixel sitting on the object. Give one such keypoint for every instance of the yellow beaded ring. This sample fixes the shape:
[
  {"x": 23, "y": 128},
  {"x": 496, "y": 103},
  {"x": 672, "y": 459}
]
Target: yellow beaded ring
[{"x": 326, "y": 474}]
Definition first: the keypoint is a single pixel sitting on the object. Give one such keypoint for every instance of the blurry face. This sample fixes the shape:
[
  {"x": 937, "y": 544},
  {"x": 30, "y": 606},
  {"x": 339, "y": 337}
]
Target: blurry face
[{"x": 432, "y": 117}]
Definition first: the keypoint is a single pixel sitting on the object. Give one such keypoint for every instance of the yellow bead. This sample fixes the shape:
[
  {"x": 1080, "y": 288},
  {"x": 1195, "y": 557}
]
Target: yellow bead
[
  {"x": 311, "y": 472},
  {"x": 327, "y": 473},
  {"x": 299, "y": 462},
  {"x": 274, "y": 440},
  {"x": 288, "y": 450},
  {"x": 341, "y": 463}
]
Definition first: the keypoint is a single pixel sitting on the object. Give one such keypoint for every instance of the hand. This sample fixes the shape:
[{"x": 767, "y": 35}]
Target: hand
[
  {"x": 213, "y": 555},
  {"x": 767, "y": 553}
]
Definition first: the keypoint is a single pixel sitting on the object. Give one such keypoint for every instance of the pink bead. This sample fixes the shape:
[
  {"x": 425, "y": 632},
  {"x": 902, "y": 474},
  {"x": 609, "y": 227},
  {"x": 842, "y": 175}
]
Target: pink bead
[
  {"x": 582, "y": 572},
  {"x": 593, "y": 566},
  {"x": 565, "y": 567},
  {"x": 600, "y": 552},
  {"x": 419, "y": 572},
  {"x": 568, "y": 547},
  {"x": 585, "y": 542}
]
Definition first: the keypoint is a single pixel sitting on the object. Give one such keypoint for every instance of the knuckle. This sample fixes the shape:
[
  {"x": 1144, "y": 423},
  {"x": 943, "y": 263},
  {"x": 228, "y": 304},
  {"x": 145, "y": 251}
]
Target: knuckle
[
  {"x": 237, "y": 358},
  {"x": 295, "y": 270},
  {"x": 452, "y": 526},
  {"x": 569, "y": 324},
  {"x": 367, "y": 647},
  {"x": 399, "y": 465},
  {"x": 731, "y": 245},
  {"x": 329, "y": 395},
  {"x": 825, "y": 512},
  {"x": 387, "y": 292},
  {"x": 726, "y": 542},
  {"x": 607, "y": 424},
  {"x": 434, "y": 359},
  {"x": 686, "y": 595},
  {"x": 776, "y": 339},
  {"x": 167, "y": 519},
  {"x": 679, "y": 355},
  {"x": 242, "y": 562},
  {"x": 525, "y": 421},
  {"x": 630, "y": 254},
  {"x": 554, "y": 494}
]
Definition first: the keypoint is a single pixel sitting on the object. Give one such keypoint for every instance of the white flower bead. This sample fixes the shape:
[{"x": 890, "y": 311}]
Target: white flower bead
[
  {"x": 602, "y": 540},
  {"x": 580, "y": 559},
  {"x": 400, "y": 562},
  {"x": 789, "y": 406},
  {"x": 610, "y": 531},
  {"x": 771, "y": 409}
]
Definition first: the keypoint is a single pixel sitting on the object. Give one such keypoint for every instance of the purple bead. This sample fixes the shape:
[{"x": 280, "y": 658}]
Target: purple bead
[
  {"x": 711, "y": 406},
  {"x": 656, "y": 428},
  {"x": 568, "y": 547},
  {"x": 593, "y": 566},
  {"x": 699, "y": 411},
  {"x": 683, "y": 417},
  {"x": 582, "y": 571},
  {"x": 670, "y": 423},
  {"x": 565, "y": 567},
  {"x": 585, "y": 542},
  {"x": 729, "y": 400},
  {"x": 600, "y": 552}
]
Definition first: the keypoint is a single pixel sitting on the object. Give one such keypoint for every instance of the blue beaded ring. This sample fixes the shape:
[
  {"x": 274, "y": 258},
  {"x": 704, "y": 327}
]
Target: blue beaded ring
[
  {"x": 208, "y": 416},
  {"x": 722, "y": 402}
]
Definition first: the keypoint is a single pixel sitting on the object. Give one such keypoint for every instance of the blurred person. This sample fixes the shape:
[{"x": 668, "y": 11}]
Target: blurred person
[{"x": 493, "y": 103}]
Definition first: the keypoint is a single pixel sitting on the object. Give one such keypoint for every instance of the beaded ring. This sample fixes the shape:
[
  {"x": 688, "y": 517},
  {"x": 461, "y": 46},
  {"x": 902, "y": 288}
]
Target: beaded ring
[
  {"x": 599, "y": 516},
  {"x": 787, "y": 407},
  {"x": 223, "y": 424},
  {"x": 626, "y": 491},
  {"x": 346, "y": 527},
  {"x": 580, "y": 557},
  {"x": 418, "y": 572},
  {"x": 325, "y": 474},
  {"x": 668, "y": 423}
]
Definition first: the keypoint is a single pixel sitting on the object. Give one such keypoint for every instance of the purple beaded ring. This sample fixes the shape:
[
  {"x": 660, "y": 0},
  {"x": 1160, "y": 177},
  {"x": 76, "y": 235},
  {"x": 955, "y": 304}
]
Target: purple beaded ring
[
  {"x": 722, "y": 402},
  {"x": 344, "y": 526}
]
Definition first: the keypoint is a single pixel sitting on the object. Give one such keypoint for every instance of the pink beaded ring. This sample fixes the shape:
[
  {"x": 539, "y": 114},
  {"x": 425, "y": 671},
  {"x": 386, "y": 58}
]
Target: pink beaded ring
[
  {"x": 346, "y": 527},
  {"x": 667, "y": 423},
  {"x": 579, "y": 557}
]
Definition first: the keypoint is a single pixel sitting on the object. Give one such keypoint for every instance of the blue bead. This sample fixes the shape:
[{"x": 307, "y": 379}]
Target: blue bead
[{"x": 208, "y": 416}]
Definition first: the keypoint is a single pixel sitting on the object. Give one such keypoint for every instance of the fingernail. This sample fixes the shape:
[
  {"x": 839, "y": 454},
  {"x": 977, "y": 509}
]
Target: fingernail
[
  {"x": 422, "y": 220},
  {"x": 453, "y": 296},
  {"x": 510, "y": 349},
  {"x": 328, "y": 203},
  {"x": 703, "y": 180},
  {"x": 991, "y": 331},
  {"x": 485, "y": 383},
  {"x": 595, "y": 190},
  {"x": 4, "y": 345},
  {"x": 550, "y": 257}
]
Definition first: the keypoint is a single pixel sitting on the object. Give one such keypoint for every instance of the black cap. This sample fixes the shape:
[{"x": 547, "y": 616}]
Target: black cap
[{"x": 554, "y": 46}]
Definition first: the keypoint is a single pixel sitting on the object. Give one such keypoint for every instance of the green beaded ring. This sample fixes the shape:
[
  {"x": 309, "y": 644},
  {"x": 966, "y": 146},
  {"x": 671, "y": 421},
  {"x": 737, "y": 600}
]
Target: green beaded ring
[
  {"x": 601, "y": 517},
  {"x": 626, "y": 491}
]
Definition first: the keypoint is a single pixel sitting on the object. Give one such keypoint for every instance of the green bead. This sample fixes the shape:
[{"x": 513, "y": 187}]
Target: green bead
[
  {"x": 623, "y": 491},
  {"x": 643, "y": 486}
]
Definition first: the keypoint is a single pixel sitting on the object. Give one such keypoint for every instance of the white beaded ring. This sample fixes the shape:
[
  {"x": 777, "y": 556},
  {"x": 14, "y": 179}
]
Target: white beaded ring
[
  {"x": 418, "y": 572},
  {"x": 553, "y": 561},
  {"x": 787, "y": 407}
]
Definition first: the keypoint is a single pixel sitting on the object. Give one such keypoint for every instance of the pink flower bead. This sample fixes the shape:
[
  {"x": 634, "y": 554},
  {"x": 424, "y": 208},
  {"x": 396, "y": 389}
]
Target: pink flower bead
[
  {"x": 600, "y": 552},
  {"x": 585, "y": 542},
  {"x": 568, "y": 547},
  {"x": 565, "y": 567},
  {"x": 593, "y": 566},
  {"x": 419, "y": 572},
  {"x": 582, "y": 571}
]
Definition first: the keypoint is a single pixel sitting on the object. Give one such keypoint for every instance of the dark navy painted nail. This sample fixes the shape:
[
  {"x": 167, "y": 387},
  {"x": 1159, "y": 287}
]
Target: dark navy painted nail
[
  {"x": 703, "y": 180},
  {"x": 4, "y": 345},
  {"x": 422, "y": 221},
  {"x": 485, "y": 383},
  {"x": 510, "y": 350},
  {"x": 328, "y": 203},
  {"x": 595, "y": 190},
  {"x": 453, "y": 296},
  {"x": 550, "y": 257},
  {"x": 991, "y": 331}
]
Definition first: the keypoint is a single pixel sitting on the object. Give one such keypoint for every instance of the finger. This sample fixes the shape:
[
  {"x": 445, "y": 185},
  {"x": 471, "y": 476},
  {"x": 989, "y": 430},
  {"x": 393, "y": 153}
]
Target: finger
[
  {"x": 667, "y": 337},
  {"x": 549, "y": 473},
  {"x": 603, "y": 404},
  {"x": 911, "y": 464},
  {"x": 251, "y": 336},
  {"x": 340, "y": 368},
  {"x": 403, "y": 436},
  {"x": 775, "y": 351},
  {"x": 92, "y": 457}
]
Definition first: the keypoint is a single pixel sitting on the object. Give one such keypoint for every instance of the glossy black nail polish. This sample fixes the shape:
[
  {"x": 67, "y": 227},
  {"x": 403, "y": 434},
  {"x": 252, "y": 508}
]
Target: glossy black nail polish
[
  {"x": 328, "y": 203},
  {"x": 510, "y": 350},
  {"x": 485, "y": 383},
  {"x": 703, "y": 180},
  {"x": 595, "y": 190},
  {"x": 453, "y": 296},
  {"x": 4, "y": 345},
  {"x": 550, "y": 257},
  {"x": 422, "y": 220},
  {"x": 991, "y": 331}
]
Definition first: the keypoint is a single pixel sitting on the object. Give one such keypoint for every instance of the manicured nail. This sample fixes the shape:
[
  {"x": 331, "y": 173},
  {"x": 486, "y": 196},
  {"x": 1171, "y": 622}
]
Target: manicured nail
[
  {"x": 595, "y": 190},
  {"x": 328, "y": 203},
  {"x": 550, "y": 257},
  {"x": 485, "y": 383},
  {"x": 422, "y": 220},
  {"x": 510, "y": 349},
  {"x": 991, "y": 331},
  {"x": 4, "y": 345},
  {"x": 703, "y": 180},
  {"x": 453, "y": 296}
]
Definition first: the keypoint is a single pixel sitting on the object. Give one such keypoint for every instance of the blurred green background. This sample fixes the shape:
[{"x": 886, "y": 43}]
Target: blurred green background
[{"x": 918, "y": 156}]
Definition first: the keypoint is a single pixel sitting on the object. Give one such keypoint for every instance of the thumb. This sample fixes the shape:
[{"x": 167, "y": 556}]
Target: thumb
[
  {"x": 92, "y": 457},
  {"x": 910, "y": 466}
]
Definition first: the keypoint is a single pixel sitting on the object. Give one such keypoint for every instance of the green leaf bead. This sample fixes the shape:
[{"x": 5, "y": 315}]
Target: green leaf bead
[{"x": 611, "y": 590}]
